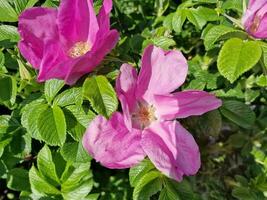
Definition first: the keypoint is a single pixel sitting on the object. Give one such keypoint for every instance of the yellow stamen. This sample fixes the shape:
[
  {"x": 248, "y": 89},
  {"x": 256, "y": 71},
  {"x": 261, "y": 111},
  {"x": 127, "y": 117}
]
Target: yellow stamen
[
  {"x": 144, "y": 115},
  {"x": 79, "y": 49}
]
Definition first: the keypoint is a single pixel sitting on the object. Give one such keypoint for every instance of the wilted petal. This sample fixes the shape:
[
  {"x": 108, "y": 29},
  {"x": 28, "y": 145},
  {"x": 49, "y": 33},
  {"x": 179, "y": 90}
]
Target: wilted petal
[
  {"x": 185, "y": 103},
  {"x": 77, "y": 22},
  {"x": 172, "y": 149},
  {"x": 111, "y": 143},
  {"x": 161, "y": 72},
  {"x": 36, "y": 25}
]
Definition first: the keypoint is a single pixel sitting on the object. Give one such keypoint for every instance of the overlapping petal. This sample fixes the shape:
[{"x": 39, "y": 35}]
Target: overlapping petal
[
  {"x": 172, "y": 149},
  {"x": 184, "y": 104},
  {"x": 77, "y": 22},
  {"x": 161, "y": 73},
  {"x": 110, "y": 142},
  {"x": 34, "y": 33}
]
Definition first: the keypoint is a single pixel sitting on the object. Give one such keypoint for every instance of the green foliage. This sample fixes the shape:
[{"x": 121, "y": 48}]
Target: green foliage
[{"x": 42, "y": 124}]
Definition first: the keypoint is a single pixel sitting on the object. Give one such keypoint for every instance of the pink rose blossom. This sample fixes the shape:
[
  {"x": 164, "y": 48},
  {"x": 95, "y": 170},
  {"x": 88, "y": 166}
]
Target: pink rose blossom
[
  {"x": 255, "y": 19},
  {"x": 67, "y": 42},
  {"x": 147, "y": 126}
]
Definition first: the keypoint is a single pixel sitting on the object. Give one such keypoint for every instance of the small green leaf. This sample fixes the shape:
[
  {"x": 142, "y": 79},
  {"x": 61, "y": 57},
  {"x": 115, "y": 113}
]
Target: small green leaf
[
  {"x": 7, "y": 13},
  {"x": 39, "y": 185},
  {"x": 74, "y": 152},
  {"x": 52, "y": 87},
  {"x": 46, "y": 166},
  {"x": 52, "y": 126},
  {"x": 239, "y": 113},
  {"x": 262, "y": 80},
  {"x": 148, "y": 185},
  {"x": 178, "y": 20},
  {"x": 101, "y": 95},
  {"x": 138, "y": 171},
  {"x": 220, "y": 32},
  {"x": 18, "y": 180},
  {"x": 8, "y": 89},
  {"x": 236, "y": 57},
  {"x": 69, "y": 97},
  {"x": 8, "y": 32}
]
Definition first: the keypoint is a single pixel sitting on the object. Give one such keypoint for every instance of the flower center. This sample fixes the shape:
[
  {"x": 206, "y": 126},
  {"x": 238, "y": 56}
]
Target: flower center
[
  {"x": 255, "y": 25},
  {"x": 144, "y": 115},
  {"x": 79, "y": 49}
]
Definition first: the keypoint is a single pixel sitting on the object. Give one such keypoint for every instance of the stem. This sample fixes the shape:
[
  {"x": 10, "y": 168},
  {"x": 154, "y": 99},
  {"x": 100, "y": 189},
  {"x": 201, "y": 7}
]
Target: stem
[
  {"x": 244, "y": 6},
  {"x": 235, "y": 21},
  {"x": 263, "y": 67}
]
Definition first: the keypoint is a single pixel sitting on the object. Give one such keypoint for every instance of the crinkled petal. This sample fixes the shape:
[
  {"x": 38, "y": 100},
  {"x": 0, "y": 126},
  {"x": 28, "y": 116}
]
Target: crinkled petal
[
  {"x": 77, "y": 22},
  {"x": 172, "y": 149},
  {"x": 89, "y": 61},
  {"x": 161, "y": 72},
  {"x": 111, "y": 143},
  {"x": 36, "y": 25},
  {"x": 185, "y": 103}
]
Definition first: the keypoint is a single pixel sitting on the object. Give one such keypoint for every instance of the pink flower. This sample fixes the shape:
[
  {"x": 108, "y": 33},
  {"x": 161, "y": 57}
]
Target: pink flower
[
  {"x": 67, "y": 42},
  {"x": 147, "y": 126},
  {"x": 255, "y": 18}
]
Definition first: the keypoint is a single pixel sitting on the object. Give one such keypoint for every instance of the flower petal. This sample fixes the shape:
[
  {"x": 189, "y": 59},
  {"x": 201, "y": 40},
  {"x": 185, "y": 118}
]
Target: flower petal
[
  {"x": 55, "y": 63},
  {"x": 172, "y": 149},
  {"x": 77, "y": 22},
  {"x": 89, "y": 61},
  {"x": 103, "y": 17},
  {"x": 185, "y": 103},
  {"x": 36, "y": 25},
  {"x": 111, "y": 143},
  {"x": 161, "y": 72},
  {"x": 125, "y": 88}
]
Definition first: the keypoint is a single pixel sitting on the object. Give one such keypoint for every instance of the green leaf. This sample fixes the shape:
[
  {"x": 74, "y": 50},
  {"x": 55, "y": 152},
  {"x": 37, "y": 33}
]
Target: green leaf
[
  {"x": 236, "y": 57},
  {"x": 52, "y": 87},
  {"x": 18, "y": 180},
  {"x": 163, "y": 42},
  {"x": 8, "y": 32},
  {"x": 30, "y": 115},
  {"x": 7, "y": 13},
  {"x": 148, "y": 185},
  {"x": 262, "y": 80},
  {"x": 8, "y": 89},
  {"x": 178, "y": 20},
  {"x": 69, "y": 97},
  {"x": 243, "y": 193},
  {"x": 220, "y": 32},
  {"x": 196, "y": 18},
  {"x": 21, "y": 5},
  {"x": 7, "y": 124},
  {"x": 78, "y": 184},
  {"x": 239, "y": 113},
  {"x": 46, "y": 165},
  {"x": 39, "y": 185},
  {"x": 207, "y": 13},
  {"x": 138, "y": 171},
  {"x": 52, "y": 126},
  {"x": 161, "y": 6},
  {"x": 74, "y": 152},
  {"x": 101, "y": 95}
]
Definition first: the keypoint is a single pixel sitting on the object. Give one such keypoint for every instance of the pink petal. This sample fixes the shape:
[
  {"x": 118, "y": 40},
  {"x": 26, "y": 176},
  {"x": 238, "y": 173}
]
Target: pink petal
[
  {"x": 77, "y": 22},
  {"x": 172, "y": 149},
  {"x": 111, "y": 143},
  {"x": 125, "y": 88},
  {"x": 89, "y": 61},
  {"x": 161, "y": 72},
  {"x": 103, "y": 17},
  {"x": 55, "y": 63},
  {"x": 36, "y": 25},
  {"x": 185, "y": 103}
]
